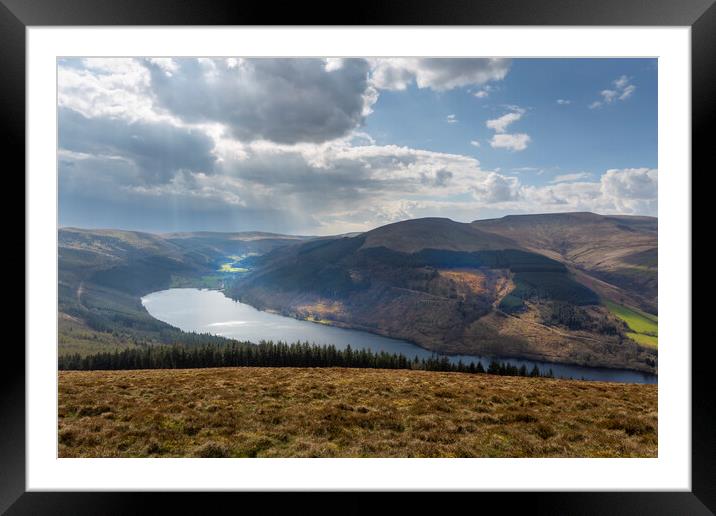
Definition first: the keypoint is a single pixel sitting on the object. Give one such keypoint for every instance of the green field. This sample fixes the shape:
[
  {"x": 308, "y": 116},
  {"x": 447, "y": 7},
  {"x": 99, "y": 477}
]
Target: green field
[
  {"x": 644, "y": 326},
  {"x": 649, "y": 341},
  {"x": 229, "y": 267}
]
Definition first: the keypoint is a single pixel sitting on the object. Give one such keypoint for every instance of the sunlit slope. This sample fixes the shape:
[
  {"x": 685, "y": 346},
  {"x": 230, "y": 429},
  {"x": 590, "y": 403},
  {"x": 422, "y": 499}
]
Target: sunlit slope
[
  {"x": 619, "y": 252},
  {"x": 449, "y": 287},
  {"x": 292, "y": 412}
]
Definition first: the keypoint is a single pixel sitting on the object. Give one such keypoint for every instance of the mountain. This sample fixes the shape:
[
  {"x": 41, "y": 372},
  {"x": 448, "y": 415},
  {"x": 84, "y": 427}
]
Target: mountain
[
  {"x": 615, "y": 255},
  {"x": 507, "y": 287},
  {"x": 573, "y": 287},
  {"x": 104, "y": 272},
  {"x": 411, "y": 236}
]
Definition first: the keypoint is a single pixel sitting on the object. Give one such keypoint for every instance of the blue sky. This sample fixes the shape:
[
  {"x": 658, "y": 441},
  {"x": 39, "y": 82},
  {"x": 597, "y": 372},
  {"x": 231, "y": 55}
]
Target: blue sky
[
  {"x": 564, "y": 137},
  {"x": 327, "y": 146}
]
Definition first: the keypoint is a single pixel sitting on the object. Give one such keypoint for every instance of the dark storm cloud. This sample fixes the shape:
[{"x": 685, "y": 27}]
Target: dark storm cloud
[
  {"x": 153, "y": 150},
  {"x": 281, "y": 100},
  {"x": 335, "y": 180}
]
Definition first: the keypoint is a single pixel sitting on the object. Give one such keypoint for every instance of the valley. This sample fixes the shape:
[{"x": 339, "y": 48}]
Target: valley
[
  {"x": 479, "y": 293},
  {"x": 387, "y": 256},
  {"x": 104, "y": 273},
  {"x": 506, "y": 287}
]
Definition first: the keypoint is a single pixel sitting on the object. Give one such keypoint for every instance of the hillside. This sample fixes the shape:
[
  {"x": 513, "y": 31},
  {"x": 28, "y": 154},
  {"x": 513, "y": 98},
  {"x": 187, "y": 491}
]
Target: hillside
[
  {"x": 615, "y": 255},
  {"x": 411, "y": 236},
  {"x": 304, "y": 412},
  {"x": 576, "y": 288},
  {"x": 227, "y": 244},
  {"x": 450, "y": 287},
  {"x": 104, "y": 272}
]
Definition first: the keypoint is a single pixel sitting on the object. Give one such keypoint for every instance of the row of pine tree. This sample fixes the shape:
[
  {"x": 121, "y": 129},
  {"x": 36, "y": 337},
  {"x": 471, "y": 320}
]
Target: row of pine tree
[{"x": 270, "y": 354}]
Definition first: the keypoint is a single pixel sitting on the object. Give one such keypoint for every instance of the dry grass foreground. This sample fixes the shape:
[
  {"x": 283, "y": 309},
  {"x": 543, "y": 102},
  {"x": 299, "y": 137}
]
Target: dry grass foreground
[{"x": 293, "y": 412}]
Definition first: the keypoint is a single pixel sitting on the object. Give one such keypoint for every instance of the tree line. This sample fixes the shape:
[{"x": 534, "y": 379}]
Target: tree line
[
  {"x": 577, "y": 318},
  {"x": 271, "y": 354}
]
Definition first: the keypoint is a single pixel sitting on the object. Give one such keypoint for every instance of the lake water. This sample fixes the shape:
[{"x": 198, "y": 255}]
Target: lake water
[{"x": 210, "y": 311}]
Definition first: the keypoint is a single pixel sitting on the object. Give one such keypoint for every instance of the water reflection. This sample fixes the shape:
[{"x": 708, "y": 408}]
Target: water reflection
[{"x": 210, "y": 311}]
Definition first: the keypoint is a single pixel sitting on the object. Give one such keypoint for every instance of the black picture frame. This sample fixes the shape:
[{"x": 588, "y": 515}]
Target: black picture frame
[{"x": 700, "y": 15}]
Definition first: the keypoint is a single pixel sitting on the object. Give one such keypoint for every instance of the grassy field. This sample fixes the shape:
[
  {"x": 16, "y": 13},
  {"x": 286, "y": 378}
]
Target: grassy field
[
  {"x": 229, "y": 267},
  {"x": 290, "y": 412},
  {"x": 74, "y": 336},
  {"x": 644, "y": 326},
  {"x": 650, "y": 341}
]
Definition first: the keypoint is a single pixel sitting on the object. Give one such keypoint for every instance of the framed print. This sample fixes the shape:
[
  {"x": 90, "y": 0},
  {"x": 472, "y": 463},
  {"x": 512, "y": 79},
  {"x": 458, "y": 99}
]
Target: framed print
[{"x": 417, "y": 250}]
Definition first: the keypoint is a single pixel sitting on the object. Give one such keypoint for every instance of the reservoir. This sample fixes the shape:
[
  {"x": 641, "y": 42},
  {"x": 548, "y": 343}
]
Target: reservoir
[{"x": 210, "y": 311}]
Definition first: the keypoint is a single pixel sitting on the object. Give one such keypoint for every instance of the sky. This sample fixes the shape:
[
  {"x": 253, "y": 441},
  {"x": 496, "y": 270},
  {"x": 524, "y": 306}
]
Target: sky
[{"x": 329, "y": 146}]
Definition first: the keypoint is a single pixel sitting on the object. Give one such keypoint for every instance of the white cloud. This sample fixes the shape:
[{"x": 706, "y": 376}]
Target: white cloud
[
  {"x": 301, "y": 164},
  {"x": 621, "y": 82},
  {"x": 439, "y": 74},
  {"x": 500, "y": 124},
  {"x": 324, "y": 188},
  {"x": 563, "y": 102},
  {"x": 563, "y": 178},
  {"x": 609, "y": 95},
  {"x": 497, "y": 188},
  {"x": 333, "y": 63},
  {"x": 451, "y": 119},
  {"x": 165, "y": 63},
  {"x": 299, "y": 187},
  {"x": 631, "y": 190},
  {"x": 114, "y": 87},
  {"x": 514, "y": 142},
  {"x": 627, "y": 92},
  {"x": 502, "y": 140},
  {"x": 623, "y": 90},
  {"x": 498, "y": 194},
  {"x": 618, "y": 191},
  {"x": 483, "y": 92}
]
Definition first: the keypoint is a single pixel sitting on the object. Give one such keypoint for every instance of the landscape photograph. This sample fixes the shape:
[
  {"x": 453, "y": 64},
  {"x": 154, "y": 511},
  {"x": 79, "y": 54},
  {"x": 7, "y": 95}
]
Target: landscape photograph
[{"x": 397, "y": 257}]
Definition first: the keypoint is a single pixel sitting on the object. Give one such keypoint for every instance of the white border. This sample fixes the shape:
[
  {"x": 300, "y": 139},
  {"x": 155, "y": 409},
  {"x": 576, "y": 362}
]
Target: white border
[{"x": 672, "y": 468}]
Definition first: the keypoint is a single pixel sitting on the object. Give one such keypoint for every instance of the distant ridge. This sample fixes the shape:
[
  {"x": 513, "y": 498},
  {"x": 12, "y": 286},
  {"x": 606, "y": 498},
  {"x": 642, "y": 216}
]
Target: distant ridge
[
  {"x": 435, "y": 233},
  {"x": 528, "y": 286},
  {"x": 540, "y": 286}
]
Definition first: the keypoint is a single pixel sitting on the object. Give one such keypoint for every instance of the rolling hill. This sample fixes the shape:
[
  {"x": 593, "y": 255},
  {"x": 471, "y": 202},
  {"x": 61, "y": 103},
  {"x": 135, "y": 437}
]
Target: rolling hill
[
  {"x": 616, "y": 255},
  {"x": 104, "y": 272},
  {"x": 557, "y": 287},
  {"x": 507, "y": 287}
]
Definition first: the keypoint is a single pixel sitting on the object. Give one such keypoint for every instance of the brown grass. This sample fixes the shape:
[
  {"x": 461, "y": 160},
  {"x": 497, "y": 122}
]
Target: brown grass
[
  {"x": 291, "y": 412},
  {"x": 471, "y": 280}
]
